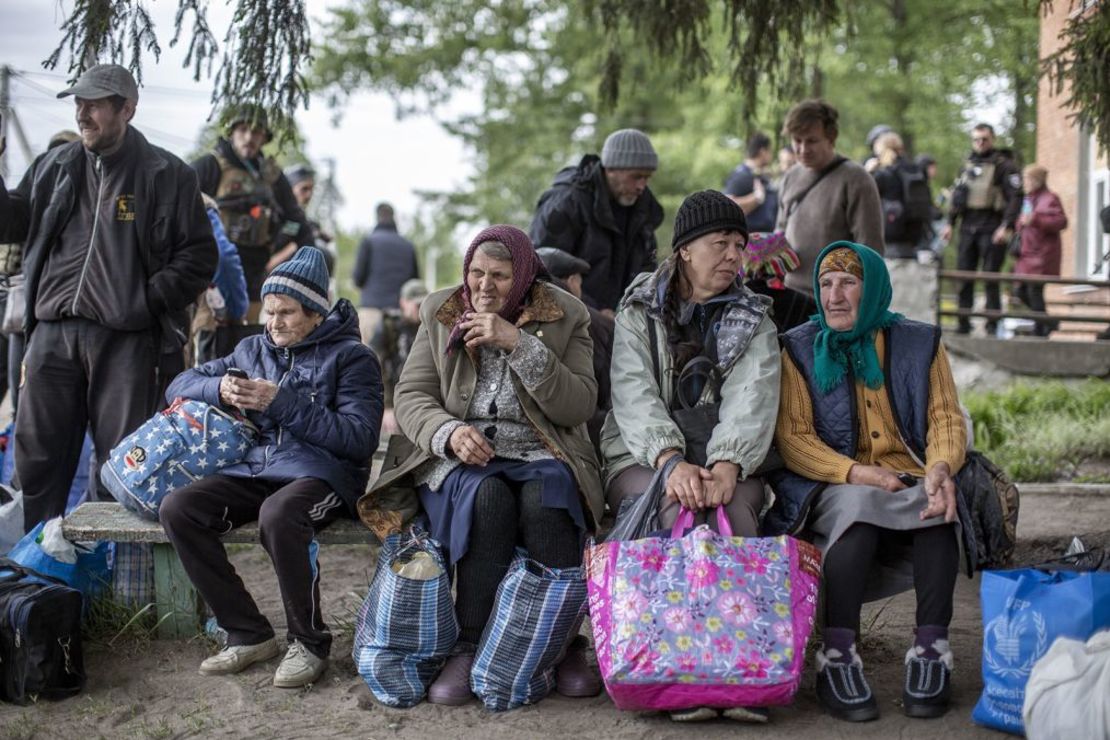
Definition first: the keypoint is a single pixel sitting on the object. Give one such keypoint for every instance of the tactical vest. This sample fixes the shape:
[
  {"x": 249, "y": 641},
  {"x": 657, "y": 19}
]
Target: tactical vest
[
  {"x": 246, "y": 202},
  {"x": 982, "y": 192}
]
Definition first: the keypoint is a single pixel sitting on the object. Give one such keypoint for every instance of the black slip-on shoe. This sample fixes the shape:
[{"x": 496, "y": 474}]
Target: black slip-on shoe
[
  {"x": 842, "y": 690},
  {"x": 927, "y": 691}
]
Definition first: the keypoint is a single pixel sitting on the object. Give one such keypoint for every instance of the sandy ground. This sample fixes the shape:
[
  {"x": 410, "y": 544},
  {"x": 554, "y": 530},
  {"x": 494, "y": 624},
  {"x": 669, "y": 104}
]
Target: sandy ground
[{"x": 151, "y": 688}]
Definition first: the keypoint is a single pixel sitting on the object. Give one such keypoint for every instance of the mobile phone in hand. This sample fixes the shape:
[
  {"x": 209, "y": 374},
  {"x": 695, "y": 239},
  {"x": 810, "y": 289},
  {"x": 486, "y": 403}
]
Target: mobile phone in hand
[
  {"x": 907, "y": 479},
  {"x": 237, "y": 373}
]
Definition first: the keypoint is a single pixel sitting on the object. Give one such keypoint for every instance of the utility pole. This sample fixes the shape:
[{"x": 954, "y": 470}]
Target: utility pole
[
  {"x": 5, "y": 115},
  {"x": 9, "y": 116}
]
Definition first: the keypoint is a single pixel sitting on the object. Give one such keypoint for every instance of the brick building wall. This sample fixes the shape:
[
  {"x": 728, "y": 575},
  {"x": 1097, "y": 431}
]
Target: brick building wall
[{"x": 1071, "y": 157}]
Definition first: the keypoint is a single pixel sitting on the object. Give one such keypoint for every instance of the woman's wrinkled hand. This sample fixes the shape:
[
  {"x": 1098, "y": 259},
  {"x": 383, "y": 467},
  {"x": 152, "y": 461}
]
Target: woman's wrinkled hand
[
  {"x": 721, "y": 485},
  {"x": 686, "y": 485},
  {"x": 940, "y": 493},
  {"x": 876, "y": 477},
  {"x": 470, "y": 446},
  {"x": 491, "y": 329},
  {"x": 248, "y": 395}
]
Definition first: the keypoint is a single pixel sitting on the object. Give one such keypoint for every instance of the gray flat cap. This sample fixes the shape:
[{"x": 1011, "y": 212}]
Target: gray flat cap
[
  {"x": 103, "y": 81},
  {"x": 562, "y": 264}
]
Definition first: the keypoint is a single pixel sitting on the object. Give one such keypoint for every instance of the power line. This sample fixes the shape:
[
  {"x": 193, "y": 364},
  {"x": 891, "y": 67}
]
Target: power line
[{"x": 160, "y": 89}]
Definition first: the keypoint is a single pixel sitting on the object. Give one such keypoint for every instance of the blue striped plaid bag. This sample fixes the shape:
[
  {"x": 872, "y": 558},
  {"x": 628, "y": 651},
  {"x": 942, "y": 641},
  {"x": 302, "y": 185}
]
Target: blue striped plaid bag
[
  {"x": 536, "y": 614},
  {"x": 406, "y": 626}
]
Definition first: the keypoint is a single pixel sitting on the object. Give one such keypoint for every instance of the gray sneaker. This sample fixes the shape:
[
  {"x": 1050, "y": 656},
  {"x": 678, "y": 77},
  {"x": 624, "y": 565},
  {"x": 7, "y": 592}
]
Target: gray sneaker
[
  {"x": 235, "y": 658},
  {"x": 299, "y": 667}
]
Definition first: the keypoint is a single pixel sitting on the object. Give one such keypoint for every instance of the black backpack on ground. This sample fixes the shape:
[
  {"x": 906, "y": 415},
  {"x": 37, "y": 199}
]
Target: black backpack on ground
[
  {"x": 908, "y": 216},
  {"x": 40, "y": 636}
]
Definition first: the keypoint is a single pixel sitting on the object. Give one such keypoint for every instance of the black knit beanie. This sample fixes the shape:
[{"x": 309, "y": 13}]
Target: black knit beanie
[{"x": 705, "y": 212}]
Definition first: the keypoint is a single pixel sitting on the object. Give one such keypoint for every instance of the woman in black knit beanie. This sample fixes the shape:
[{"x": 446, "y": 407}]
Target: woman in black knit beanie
[{"x": 695, "y": 375}]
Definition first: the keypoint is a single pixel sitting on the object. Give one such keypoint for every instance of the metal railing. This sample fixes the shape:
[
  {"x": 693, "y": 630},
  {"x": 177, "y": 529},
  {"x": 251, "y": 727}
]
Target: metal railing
[{"x": 1081, "y": 287}]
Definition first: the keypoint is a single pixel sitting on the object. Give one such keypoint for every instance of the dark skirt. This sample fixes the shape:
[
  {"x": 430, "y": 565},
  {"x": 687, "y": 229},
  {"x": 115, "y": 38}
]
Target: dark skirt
[{"x": 450, "y": 508}]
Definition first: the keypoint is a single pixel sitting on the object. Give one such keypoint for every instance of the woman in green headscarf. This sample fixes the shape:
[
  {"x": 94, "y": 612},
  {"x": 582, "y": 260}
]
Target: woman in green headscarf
[{"x": 871, "y": 432}]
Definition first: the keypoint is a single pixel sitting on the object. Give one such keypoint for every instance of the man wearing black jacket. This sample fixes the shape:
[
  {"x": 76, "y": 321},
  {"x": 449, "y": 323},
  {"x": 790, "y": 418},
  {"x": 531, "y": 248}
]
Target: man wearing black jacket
[
  {"x": 603, "y": 212},
  {"x": 118, "y": 245},
  {"x": 257, "y": 207}
]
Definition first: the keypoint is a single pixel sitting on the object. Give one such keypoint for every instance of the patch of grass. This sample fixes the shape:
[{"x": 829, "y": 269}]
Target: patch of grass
[
  {"x": 1043, "y": 430},
  {"x": 21, "y": 728}
]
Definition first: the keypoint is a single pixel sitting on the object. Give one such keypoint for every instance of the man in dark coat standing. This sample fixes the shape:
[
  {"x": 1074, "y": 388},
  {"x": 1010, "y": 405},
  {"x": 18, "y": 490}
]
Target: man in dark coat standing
[
  {"x": 386, "y": 261},
  {"x": 603, "y": 212},
  {"x": 118, "y": 245}
]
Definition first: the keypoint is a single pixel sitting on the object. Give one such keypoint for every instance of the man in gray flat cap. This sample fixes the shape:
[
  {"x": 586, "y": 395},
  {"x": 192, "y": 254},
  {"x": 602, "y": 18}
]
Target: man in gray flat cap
[
  {"x": 118, "y": 246},
  {"x": 603, "y": 212},
  {"x": 569, "y": 272}
]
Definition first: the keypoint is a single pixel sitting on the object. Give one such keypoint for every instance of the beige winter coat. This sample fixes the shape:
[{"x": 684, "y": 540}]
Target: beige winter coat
[{"x": 435, "y": 389}]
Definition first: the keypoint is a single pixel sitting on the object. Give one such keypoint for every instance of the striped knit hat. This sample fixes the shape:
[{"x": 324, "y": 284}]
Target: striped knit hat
[{"x": 305, "y": 278}]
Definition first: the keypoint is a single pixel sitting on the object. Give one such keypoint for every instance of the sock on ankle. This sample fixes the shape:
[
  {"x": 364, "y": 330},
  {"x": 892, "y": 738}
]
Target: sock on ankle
[
  {"x": 925, "y": 640},
  {"x": 841, "y": 640}
]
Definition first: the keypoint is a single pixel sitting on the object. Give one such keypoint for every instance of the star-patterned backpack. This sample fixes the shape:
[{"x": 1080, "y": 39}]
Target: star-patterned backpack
[{"x": 186, "y": 442}]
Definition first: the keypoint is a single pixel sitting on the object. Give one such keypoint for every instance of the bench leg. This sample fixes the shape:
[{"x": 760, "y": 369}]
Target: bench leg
[{"x": 178, "y": 603}]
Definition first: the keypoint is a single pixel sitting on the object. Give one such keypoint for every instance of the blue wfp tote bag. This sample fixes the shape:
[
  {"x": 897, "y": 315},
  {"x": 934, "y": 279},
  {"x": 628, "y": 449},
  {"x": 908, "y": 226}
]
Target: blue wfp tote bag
[
  {"x": 1024, "y": 611},
  {"x": 406, "y": 626},
  {"x": 536, "y": 613}
]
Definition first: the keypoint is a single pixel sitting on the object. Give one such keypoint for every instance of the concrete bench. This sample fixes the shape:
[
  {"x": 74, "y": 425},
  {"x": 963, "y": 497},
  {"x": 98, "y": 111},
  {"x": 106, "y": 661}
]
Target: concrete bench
[{"x": 179, "y": 608}]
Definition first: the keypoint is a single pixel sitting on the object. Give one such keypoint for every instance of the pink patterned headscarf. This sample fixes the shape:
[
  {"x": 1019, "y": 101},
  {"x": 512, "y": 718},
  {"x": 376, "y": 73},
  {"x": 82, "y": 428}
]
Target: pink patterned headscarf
[{"x": 526, "y": 268}]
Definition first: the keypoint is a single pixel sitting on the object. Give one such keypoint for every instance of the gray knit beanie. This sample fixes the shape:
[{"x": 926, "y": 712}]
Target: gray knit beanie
[{"x": 628, "y": 149}]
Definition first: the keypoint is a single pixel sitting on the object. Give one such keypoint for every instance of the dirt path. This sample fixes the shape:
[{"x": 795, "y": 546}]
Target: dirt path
[{"x": 150, "y": 689}]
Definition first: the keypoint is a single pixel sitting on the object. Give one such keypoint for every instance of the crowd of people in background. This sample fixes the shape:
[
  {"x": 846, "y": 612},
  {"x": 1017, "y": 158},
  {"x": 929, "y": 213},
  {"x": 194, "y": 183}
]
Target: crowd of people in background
[{"x": 567, "y": 367}]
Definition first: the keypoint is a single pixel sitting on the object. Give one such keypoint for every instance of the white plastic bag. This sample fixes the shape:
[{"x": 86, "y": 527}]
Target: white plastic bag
[
  {"x": 11, "y": 518},
  {"x": 1068, "y": 693},
  {"x": 55, "y": 544}
]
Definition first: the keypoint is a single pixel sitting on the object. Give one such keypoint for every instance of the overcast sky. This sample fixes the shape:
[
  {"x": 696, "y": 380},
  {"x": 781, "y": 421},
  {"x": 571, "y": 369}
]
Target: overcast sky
[{"x": 378, "y": 157}]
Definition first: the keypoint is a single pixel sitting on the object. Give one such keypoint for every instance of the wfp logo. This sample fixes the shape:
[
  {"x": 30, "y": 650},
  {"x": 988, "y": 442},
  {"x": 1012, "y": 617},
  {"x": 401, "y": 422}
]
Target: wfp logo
[{"x": 1007, "y": 639}]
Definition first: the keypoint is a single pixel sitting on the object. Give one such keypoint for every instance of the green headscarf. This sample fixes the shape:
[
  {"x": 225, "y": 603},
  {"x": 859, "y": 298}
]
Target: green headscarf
[{"x": 835, "y": 351}]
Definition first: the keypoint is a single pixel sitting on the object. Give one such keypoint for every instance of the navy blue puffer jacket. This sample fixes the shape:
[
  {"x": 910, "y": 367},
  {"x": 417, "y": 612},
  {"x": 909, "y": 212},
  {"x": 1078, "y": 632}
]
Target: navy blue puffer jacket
[{"x": 325, "y": 420}]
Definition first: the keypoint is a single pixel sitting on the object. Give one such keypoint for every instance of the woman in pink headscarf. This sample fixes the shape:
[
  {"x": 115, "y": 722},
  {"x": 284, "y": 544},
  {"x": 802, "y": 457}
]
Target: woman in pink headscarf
[{"x": 494, "y": 398}]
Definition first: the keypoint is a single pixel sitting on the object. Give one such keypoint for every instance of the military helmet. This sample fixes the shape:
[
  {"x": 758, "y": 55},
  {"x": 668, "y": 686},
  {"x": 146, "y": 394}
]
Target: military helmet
[{"x": 249, "y": 113}]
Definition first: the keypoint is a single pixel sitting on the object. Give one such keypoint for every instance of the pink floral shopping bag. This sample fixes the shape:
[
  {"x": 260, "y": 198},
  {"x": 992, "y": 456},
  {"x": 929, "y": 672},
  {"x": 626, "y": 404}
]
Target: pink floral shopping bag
[{"x": 702, "y": 619}]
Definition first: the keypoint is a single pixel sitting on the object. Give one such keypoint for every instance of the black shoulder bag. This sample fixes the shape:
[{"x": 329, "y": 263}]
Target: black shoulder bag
[{"x": 696, "y": 422}]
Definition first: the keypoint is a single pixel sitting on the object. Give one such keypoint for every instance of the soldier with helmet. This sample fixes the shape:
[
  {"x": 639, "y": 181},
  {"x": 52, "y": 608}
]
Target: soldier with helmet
[{"x": 257, "y": 207}]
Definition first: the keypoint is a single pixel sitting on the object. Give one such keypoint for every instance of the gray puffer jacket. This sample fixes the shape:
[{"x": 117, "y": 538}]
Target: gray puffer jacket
[{"x": 639, "y": 426}]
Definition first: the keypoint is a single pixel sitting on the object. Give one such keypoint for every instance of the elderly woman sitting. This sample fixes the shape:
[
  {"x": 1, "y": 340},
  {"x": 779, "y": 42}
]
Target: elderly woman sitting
[
  {"x": 695, "y": 375},
  {"x": 315, "y": 393},
  {"x": 872, "y": 434},
  {"x": 494, "y": 398}
]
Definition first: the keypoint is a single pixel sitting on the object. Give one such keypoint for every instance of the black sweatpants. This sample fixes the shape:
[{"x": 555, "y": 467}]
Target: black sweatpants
[
  {"x": 77, "y": 374},
  {"x": 289, "y": 516},
  {"x": 501, "y": 518},
  {"x": 935, "y": 563},
  {"x": 975, "y": 248}
]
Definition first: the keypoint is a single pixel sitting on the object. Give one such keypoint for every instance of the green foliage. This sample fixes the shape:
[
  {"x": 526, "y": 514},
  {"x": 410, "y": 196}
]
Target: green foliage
[
  {"x": 265, "y": 48},
  {"x": 1044, "y": 430},
  {"x": 1082, "y": 66},
  {"x": 765, "y": 39},
  {"x": 538, "y": 65}
]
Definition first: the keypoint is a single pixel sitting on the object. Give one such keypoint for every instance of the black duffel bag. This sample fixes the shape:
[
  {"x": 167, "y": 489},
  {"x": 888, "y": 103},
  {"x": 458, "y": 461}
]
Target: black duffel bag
[{"x": 40, "y": 636}]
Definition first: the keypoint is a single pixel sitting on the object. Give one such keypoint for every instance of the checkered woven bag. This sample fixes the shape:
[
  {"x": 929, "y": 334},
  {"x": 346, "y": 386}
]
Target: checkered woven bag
[
  {"x": 186, "y": 442},
  {"x": 406, "y": 626},
  {"x": 536, "y": 614}
]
